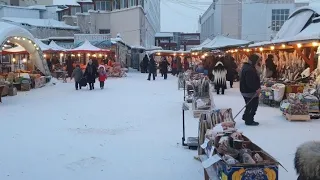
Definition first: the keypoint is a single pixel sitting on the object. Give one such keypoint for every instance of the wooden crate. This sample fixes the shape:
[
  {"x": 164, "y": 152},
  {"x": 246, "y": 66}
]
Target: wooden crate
[{"x": 297, "y": 117}]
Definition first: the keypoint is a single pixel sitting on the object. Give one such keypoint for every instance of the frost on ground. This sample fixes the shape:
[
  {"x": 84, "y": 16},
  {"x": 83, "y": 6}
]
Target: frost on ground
[{"x": 130, "y": 130}]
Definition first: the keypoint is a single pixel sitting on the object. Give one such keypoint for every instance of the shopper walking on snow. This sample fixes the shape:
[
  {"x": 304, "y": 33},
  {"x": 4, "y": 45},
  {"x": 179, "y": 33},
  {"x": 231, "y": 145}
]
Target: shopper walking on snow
[
  {"x": 250, "y": 88},
  {"x": 219, "y": 77},
  {"x": 91, "y": 74},
  {"x": 152, "y": 68},
  {"x": 77, "y": 75},
  {"x": 144, "y": 65},
  {"x": 102, "y": 76},
  {"x": 164, "y": 67}
]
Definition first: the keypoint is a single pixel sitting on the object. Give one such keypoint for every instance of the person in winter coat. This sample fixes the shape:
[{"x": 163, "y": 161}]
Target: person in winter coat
[
  {"x": 77, "y": 75},
  {"x": 164, "y": 67},
  {"x": 144, "y": 64},
  {"x": 174, "y": 66},
  {"x": 91, "y": 73},
  {"x": 152, "y": 68},
  {"x": 250, "y": 88},
  {"x": 102, "y": 76},
  {"x": 160, "y": 65},
  {"x": 219, "y": 77},
  {"x": 186, "y": 64},
  {"x": 179, "y": 65},
  {"x": 271, "y": 68},
  {"x": 231, "y": 69}
]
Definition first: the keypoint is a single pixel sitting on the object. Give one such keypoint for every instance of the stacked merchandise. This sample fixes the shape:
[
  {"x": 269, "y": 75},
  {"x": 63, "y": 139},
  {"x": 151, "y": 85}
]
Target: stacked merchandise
[
  {"x": 201, "y": 100},
  {"x": 231, "y": 156},
  {"x": 295, "y": 108}
]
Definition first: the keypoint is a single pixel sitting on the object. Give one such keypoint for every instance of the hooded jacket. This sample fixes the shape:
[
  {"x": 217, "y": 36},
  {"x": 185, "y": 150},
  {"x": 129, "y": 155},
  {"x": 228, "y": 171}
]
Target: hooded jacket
[{"x": 219, "y": 74}]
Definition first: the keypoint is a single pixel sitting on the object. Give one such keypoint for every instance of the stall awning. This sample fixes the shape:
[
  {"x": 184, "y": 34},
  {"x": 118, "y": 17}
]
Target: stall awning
[
  {"x": 44, "y": 47},
  {"x": 224, "y": 42},
  {"x": 18, "y": 49},
  {"x": 87, "y": 47},
  {"x": 199, "y": 47},
  {"x": 56, "y": 47}
]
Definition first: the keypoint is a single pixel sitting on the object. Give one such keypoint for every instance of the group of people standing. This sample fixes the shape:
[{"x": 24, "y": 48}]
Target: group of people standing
[
  {"x": 89, "y": 76},
  {"x": 149, "y": 65}
]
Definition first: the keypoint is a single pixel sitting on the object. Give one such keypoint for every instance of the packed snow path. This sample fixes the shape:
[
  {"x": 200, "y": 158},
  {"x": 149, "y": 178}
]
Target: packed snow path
[{"x": 130, "y": 130}]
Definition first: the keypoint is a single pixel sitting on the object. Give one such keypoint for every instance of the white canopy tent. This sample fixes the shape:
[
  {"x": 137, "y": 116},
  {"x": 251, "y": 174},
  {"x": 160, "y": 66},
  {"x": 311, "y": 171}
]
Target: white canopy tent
[
  {"x": 86, "y": 47},
  {"x": 224, "y": 42},
  {"x": 199, "y": 47},
  {"x": 56, "y": 47},
  {"x": 24, "y": 38}
]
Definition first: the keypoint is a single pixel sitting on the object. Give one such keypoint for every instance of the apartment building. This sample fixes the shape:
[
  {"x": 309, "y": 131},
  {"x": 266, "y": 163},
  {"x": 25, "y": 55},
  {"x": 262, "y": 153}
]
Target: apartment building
[
  {"x": 255, "y": 20},
  {"x": 177, "y": 40}
]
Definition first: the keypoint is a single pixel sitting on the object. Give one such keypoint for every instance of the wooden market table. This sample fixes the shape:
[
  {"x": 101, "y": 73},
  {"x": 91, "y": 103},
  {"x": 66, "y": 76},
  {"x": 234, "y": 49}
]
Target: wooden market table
[{"x": 1, "y": 89}]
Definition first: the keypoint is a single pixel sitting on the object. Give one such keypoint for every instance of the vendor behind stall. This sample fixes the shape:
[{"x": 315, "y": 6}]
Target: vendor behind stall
[{"x": 271, "y": 68}]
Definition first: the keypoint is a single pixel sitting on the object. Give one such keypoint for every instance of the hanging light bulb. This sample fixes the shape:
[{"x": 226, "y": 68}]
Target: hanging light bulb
[
  {"x": 8, "y": 41},
  {"x": 24, "y": 60},
  {"x": 314, "y": 44},
  {"x": 37, "y": 48},
  {"x": 248, "y": 50},
  {"x": 79, "y": 55},
  {"x": 94, "y": 55},
  {"x": 61, "y": 54},
  {"x": 100, "y": 55},
  {"x": 35, "y": 45},
  {"x": 283, "y": 45},
  {"x": 206, "y": 54},
  {"x": 158, "y": 54},
  {"x": 24, "y": 39},
  {"x": 182, "y": 54},
  {"x": 30, "y": 41},
  {"x": 72, "y": 55},
  {"x": 261, "y": 49},
  {"x": 174, "y": 54},
  {"x": 196, "y": 54},
  {"x": 236, "y": 50},
  {"x": 44, "y": 55},
  {"x": 272, "y": 47},
  {"x": 299, "y": 45},
  {"x": 13, "y": 59},
  {"x": 89, "y": 54}
]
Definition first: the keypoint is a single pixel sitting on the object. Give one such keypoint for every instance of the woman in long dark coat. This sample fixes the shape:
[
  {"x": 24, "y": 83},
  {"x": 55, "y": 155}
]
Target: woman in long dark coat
[
  {"x": 91, "y": 73},
  {"x": 231, "y": 66},
  {"x": 164, "y": 67}
]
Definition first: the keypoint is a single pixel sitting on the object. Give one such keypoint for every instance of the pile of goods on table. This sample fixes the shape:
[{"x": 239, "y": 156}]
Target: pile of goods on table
[
  {"x": 295, "y": 108},
  {"x": 238, "y": 157},
  {"x": 200, "y": 99}
]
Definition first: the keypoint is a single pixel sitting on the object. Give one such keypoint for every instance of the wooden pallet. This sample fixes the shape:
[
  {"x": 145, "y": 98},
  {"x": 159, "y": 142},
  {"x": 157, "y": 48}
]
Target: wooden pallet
[{"x": 297, "y": 117}]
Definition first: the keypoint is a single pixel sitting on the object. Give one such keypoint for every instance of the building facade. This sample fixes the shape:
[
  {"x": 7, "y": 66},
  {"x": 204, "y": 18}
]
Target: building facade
[
  {"x": 142, "y": 19},
  {"x": 254, "y": 20},
  {"x": 177, "y": 40}
]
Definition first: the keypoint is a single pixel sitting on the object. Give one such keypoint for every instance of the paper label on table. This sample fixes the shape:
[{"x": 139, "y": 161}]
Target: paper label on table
[
  {"x": 205, "y": 143},
  {"x": 211, "y": 160}
]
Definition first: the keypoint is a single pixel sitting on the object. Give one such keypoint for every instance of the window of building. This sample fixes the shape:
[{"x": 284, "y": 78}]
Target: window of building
[
  {"x": 124, "y": 4},
  {"x": 116, "y": 4},
  {"x": 103, "y": 5},
  {"x": 87, "y": 7},
  {"x": 132, "y": 3},
  {"x": 104, "y": 31},
  {"x": 279, "y": 16},
  {"x": 75, "y": 10}
]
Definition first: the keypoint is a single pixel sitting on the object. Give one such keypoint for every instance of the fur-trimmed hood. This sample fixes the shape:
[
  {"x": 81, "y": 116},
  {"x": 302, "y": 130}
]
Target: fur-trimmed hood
[{"x": 307, "y": 161}]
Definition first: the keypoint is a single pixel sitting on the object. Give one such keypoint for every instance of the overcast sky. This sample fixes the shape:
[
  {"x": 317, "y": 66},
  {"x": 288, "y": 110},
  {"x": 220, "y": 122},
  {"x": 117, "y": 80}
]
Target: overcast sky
[{"x": 182, "y": 15}]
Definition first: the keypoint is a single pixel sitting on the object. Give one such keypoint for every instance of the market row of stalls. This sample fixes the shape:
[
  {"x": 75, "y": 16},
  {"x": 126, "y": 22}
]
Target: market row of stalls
[
  {"x": 226, "y": 153},
  {"x": 27, "y": 62}
]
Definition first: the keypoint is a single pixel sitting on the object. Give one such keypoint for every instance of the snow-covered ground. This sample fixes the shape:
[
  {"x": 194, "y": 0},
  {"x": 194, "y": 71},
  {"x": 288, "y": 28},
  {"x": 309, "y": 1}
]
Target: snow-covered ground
[{"x": 130, "y": 130}]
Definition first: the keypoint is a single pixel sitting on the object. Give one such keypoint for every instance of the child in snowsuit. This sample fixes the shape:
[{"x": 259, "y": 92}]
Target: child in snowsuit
[
  {"x": 77, "y": 74},
  {"x": 102, "y": 76}
]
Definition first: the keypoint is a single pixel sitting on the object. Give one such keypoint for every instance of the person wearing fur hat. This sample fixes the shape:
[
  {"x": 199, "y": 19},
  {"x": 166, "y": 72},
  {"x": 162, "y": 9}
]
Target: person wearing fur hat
[
  {"x": 219, "y": 77},
  {"x": 250, "y": 88},
  {"x": 307, "y": 161}
]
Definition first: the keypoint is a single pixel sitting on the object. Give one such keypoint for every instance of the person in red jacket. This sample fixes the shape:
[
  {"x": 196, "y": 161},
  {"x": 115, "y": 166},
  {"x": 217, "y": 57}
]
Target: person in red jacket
[{"x": 102, "y": 76}]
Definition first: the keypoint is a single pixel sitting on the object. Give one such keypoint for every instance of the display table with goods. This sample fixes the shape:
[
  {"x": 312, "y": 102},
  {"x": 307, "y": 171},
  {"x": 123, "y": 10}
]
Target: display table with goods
[
  {"x": 294, "y": 108},
  {"x": 116, "y": 70},
  {"x": 229, "y": 155},
  {"x": 201, "y": 99}
]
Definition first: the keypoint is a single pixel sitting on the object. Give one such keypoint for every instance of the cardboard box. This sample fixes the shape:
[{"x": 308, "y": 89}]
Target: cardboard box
[{"x": 268, "y": 170}]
